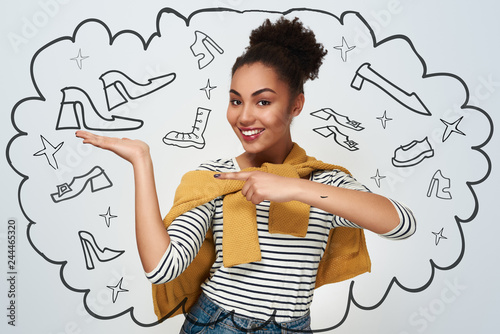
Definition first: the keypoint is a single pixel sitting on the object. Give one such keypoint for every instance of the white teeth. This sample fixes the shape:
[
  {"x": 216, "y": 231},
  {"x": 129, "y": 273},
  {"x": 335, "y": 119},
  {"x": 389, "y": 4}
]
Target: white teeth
[{"x": 251, "y": 132}]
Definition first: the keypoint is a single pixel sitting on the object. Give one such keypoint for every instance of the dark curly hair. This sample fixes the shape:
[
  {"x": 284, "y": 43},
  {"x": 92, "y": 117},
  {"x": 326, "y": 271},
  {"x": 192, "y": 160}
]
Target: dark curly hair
[{"x": 287, "y": 47}]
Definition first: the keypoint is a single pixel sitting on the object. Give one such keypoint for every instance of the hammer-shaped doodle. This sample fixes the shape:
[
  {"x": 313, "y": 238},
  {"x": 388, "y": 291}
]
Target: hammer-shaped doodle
[
  {"x": 96, "y": 177},
  {"x": 118, "y": 86},
  {"x": 91, "y": 249},
  {"x": 409, "y": 100},
  {"x": 201, "y": 47},
  {"x": 77, "y": 111}
]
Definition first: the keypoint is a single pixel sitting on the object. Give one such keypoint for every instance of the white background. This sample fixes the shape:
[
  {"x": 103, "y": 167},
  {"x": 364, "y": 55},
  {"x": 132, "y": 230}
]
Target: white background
[{"x": 458, "y": 37}]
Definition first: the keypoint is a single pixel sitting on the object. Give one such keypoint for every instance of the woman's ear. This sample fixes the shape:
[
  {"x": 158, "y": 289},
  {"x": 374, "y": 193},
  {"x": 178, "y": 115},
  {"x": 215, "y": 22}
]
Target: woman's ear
[{"x": 298, "y": 104}]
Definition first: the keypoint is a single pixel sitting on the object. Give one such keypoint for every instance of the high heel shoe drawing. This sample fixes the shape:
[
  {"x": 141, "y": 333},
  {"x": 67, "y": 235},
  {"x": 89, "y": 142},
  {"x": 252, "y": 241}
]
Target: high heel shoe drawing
[
  {"x": 96, "y": 177},
  {"x": 442, "y": 185},
  {"x": 118, "y": 86},
  {"x": 327, "y": 113},
  {"x": 412, "y": 153},
  {"x": 77, "y": 110},
  {"x": 201, "y": 46},
  {"x": 91, "y": 250},
  {"x": 193, "y": 138},
  {"x": 340, "y": 138}
]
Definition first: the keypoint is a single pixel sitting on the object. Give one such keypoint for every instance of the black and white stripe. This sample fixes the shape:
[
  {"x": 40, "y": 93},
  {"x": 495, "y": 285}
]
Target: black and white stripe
[{"x": 283, "y": 281}]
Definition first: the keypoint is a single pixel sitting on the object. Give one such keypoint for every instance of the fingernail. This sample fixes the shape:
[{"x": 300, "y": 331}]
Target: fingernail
[{"x": 216, "y": 175}]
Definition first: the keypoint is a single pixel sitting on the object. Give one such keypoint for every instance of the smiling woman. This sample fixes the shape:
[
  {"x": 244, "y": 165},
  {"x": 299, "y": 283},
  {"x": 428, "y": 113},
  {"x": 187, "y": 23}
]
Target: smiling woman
[{"x": 248, "y": 250}]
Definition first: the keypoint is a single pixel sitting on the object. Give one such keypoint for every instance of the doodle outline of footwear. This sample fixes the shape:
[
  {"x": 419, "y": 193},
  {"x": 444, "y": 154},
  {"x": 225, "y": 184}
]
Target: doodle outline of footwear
[
  {"x": 185, "y": 139},
  {"x": 410, "y": 100},
  {"x": 201, "y": 47},
  {"x": 118, "y": 84},
  {"x": 415, "y": 159},
  {"x": 103, "y": 255},
  {"x": 96, "y": 177},
  {"x": 327, "y": 131},
  {"x": 327, "y": 113},
  {"x": 69, "y": 116},
  {"x": 443, "y": 185}
]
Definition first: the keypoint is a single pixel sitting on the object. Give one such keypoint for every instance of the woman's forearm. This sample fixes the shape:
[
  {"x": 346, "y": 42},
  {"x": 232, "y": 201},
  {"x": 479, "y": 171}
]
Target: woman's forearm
[
  {"x": 151, "y": 235},
  {"x": 367, "y": 210}
]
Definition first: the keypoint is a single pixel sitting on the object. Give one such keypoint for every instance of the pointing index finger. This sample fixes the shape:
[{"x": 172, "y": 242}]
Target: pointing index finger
[{"x": 241, "y": 176}]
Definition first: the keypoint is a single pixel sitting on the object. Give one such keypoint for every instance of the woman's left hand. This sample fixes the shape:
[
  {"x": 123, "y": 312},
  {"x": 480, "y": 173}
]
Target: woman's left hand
[{"x": 260, "y": 186}]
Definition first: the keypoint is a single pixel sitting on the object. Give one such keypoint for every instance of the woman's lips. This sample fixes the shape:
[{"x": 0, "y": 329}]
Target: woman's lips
[{"x": 250, "y": 134}]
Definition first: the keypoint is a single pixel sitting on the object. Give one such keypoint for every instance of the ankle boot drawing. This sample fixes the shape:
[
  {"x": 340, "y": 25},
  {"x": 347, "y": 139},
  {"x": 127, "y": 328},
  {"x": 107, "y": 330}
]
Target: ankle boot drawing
[
  {"x": 77, "y": 111},
  {"x": 91, "y": 250},
  {"x": 442, "y": 185},
  {"x": 96, "y": 177},
  {"x": 118, "y": 86},
  {"x": 193, "y": 138},
  {"x": 201, "y": 47}
]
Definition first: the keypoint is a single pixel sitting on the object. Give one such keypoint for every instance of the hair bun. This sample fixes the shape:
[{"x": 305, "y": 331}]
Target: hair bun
[{"x": 299, "y": 42}]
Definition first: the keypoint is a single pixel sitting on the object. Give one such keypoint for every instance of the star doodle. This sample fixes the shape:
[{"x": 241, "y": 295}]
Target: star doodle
[
  {"x": 384, "y": 119},
  {"x": 439, "y": 235},
  {"x": 79, "y": 59},
  {"x": 49, "y": 151},
  {"x": 344, "y": 48},
  {"x": 451, "y": 127},
  {"x": 107, "y": 216},
  {"x": 377, "y": 178},
  {"x": 117, "y": 289},
  {"x": 208, "y": 89}
]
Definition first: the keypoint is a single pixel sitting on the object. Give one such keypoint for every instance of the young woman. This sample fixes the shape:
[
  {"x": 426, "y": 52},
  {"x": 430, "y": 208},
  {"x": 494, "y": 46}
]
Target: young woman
[{"x": 275, "y": 206}]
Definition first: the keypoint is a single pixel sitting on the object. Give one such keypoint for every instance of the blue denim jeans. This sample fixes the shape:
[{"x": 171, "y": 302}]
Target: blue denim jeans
[{"x": 207, "y": 317}]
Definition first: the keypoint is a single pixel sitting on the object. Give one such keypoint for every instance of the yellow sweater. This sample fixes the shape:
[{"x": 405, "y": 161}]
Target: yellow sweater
[{"x": 345, "y": 255}]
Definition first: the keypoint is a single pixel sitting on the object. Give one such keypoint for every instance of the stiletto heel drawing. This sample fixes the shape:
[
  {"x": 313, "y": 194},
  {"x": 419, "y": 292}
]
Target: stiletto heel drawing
[
  {"x": 201, "y": 46},
  {"x": 442, "y": 185},
  {"x": 77, "y": 110},
  {"x": 91, "y": 250},
  {"x": 118, "y": 86},
  {"x": 96, "y": 177}
]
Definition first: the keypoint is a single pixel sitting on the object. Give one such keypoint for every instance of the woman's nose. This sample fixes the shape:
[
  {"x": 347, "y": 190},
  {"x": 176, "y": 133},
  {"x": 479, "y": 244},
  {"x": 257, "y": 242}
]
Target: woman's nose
[{"x": 246, "y": 116}]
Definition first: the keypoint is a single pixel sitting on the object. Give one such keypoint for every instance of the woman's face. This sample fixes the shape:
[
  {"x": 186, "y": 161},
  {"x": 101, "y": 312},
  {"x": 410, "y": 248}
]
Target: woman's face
[{"x": 260, "y": 111}]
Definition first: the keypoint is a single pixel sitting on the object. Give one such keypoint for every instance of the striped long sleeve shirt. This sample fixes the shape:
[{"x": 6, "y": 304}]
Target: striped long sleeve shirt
[{"x": 282, "y": 283}]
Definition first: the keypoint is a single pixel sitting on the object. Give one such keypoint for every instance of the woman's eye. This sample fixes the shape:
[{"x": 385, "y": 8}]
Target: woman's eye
[
  {"x": 235, "y": 102},
  {"x": 264, "y": 103}
]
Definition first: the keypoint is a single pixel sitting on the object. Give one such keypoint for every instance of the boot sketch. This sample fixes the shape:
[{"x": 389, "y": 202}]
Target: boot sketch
[
  {"x": 442, "y": 185},
  {"x": 77, "y": 111},
  {"x": 118, "y": 86},
  {"x": 91, "y": 250},
  {"x": 412, "y": 153},
  {"x": 96, "y": 177},
  {"x": 193, "y": 138},
  {"x": 202, "y": 46}
]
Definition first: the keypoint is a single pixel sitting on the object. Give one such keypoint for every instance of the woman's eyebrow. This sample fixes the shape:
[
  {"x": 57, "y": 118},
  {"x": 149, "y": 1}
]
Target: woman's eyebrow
[{"x": 260, "y": 91}]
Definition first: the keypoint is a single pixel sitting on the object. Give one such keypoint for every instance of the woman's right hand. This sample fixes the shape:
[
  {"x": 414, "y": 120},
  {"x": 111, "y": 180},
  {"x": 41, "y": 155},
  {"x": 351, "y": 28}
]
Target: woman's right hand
[{"x": 131, "y": 150}]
